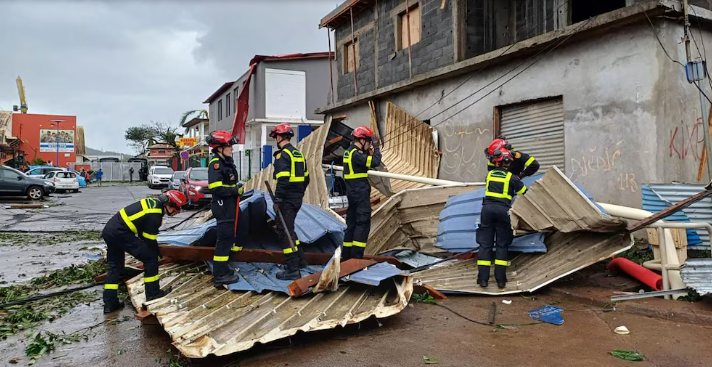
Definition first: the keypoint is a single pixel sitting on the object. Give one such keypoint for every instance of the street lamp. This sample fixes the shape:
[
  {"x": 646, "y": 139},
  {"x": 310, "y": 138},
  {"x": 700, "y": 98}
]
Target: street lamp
[{"x": 57, "y": 122}]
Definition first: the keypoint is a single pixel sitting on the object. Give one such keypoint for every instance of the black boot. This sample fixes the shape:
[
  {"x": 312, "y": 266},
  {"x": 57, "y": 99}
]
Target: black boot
[
  {"x": 345, "y": 253},
  {"x": 483, "y": 275},
  {"x": 111, "y": 301},
  {"x": 357, "y": 252},
  {"x": 154, "y": 292},
  {"x": 302, "y": 260},
  {"x": 500, "y": 273},
  {"x": 226, "y": 279},
  {"x": 291, "y": 269}
]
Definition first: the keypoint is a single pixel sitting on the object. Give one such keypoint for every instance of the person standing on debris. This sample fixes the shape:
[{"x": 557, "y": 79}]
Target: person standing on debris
[
  {"x": 292, "y": 176},
  {"x": 99, "y": 176},
  {"x": 222, "y": 183},
  {"x": 523, "y": 165},
  {"x": 134, "y": 229},
  {"x": 131, "y": 171},
  {"x": 358, "y": 159},
  {"x": 501, "y": 186}
]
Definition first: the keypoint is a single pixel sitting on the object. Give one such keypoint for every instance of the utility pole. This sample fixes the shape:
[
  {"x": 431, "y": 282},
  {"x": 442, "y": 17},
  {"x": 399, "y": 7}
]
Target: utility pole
[
  {"x": 56, "y": 141},
  {"x": 697, "y": 73}
]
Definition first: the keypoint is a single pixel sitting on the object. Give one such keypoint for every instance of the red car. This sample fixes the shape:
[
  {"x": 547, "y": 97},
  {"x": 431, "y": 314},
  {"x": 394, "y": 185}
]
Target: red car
[{"x": 195, "y": 186}]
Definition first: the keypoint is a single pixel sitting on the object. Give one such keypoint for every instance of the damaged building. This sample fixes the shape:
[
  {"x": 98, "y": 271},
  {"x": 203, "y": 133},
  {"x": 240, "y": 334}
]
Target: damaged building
[{"x": 591, "y": 87}]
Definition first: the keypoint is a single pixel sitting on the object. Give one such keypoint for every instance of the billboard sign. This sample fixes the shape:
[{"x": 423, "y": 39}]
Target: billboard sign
[{"x": 50, "y": 139}]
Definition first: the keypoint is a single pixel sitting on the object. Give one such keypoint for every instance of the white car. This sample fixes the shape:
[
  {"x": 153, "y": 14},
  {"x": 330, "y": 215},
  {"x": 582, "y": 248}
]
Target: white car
[
  {"x": 63, "y": 180},
  {"x": 41, "y": 172},
  {"x": 159, "y": 176}
]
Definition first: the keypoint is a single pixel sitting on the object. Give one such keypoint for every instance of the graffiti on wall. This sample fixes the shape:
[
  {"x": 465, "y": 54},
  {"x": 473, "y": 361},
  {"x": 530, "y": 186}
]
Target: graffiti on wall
[
  {"x": 461, "y": 157},
  {"x": 687, "y": 141},
  {"x": 604, "y": 160}
]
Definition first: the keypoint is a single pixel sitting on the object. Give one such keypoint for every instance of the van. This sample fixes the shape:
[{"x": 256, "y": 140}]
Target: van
[{"x": 159, "y": 176}]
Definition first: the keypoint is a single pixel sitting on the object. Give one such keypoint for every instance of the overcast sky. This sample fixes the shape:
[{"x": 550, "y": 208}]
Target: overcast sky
[{"x": 116, "y": 64}]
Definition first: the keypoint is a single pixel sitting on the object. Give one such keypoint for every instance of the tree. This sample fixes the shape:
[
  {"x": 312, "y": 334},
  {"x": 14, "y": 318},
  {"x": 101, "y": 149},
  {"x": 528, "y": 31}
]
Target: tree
[
  {"x": 164, "y": 133},
  {"x": 140, "y": 137},
  {"x": 201, "y": 114},
  {"x": 38, "y": 162}
]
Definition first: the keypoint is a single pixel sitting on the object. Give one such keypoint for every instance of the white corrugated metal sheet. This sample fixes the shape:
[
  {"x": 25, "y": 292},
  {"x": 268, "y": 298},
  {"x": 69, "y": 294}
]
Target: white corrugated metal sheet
[
  {"x": 697, "y": 274},
  {"x": 699, "y": 212},
  {"x": 536, "y": 128}
]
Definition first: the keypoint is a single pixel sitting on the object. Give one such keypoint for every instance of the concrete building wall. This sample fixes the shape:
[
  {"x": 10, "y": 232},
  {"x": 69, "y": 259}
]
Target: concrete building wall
[
  {"x": 628, "y": 111},
  {"x": 380, "y": 62}
]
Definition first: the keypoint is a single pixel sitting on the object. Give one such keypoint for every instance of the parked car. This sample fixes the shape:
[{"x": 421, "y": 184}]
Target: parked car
[
  {"x": 175, "y": 180},
  {"x": 16, "y": 183},
  {"x": 41, "y": 171},
  {"x": 159, "y": 176},
  {"x": 82, "y": 180},
  {"x": 63, "y": 180},
  {"x": 195, "y": 186}
]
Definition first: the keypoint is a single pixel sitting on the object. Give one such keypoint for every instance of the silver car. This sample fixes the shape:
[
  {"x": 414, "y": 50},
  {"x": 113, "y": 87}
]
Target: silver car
[{"x": 175, "y": 180}]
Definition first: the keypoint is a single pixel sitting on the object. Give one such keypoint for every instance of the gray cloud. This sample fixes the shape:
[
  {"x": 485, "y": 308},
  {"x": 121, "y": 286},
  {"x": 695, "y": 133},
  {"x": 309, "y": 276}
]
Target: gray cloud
[{"x": 120, "y": 64}]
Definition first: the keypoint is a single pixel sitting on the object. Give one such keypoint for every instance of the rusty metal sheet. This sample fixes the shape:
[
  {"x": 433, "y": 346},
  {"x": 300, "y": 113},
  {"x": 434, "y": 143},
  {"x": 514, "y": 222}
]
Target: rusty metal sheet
[
  {"x": 202, "y": 320},
  {"x": 409, "y": 149},
  {"x": 580, "y": 234},
  {"x": 410, "y": 219},
  {"x": 555, "y": 203}
]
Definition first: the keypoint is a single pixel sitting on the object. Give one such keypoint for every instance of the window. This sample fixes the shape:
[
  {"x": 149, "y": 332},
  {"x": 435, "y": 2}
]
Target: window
[
  {"x": 408, "y": 20},
  {"x": 220, "y": 110},
  {"x": 199, "y": 174},
  {"x": 9, "y": 174},
  {"x": 234, "y": 100},
  {"x": 349, "y": 52},
  {"x": 227, "y": 104}
]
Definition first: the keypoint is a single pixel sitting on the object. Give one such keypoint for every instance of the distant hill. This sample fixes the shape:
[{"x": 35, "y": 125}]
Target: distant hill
[{"x": 92, "y": 151}]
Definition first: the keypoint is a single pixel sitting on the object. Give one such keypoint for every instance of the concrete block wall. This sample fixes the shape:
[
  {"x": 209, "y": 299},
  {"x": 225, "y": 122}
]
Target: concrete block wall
[{"x": 380, "y": 63}]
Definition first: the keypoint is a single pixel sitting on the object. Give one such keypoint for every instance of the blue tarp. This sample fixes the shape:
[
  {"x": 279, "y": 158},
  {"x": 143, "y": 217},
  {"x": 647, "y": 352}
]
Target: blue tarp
[
  {"x": 652, "y": 202},
  {"x": 461, "y": 216},
  {"x": 548, "y": 313}
]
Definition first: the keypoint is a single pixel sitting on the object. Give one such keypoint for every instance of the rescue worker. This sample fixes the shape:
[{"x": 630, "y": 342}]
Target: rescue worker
[
  {"x": 222, "y": 183},
  {"x": 292, "y": 177},
  {"x": 523, "y": 165},
  {"x": 495, "y": 230},
  {"x": 134, "y": 229},
  {"x": 358, "y": 159}
]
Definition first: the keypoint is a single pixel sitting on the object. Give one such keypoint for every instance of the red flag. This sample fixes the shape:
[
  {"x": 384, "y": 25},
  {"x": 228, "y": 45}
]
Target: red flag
[{"x": 243, "y": 107}]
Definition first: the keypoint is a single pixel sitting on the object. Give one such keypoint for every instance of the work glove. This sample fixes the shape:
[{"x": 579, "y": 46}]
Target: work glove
[
  {"x": 240, "y": 188},
  {"x": 376, "y": 141}
]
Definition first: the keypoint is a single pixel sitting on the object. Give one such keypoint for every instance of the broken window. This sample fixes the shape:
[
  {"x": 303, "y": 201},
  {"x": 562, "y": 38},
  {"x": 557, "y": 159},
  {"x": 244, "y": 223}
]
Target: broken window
[
  {"x": 350, "y": 53},
  {"x": 584, "y": 9},
  {"x": 408, "y": 20}
]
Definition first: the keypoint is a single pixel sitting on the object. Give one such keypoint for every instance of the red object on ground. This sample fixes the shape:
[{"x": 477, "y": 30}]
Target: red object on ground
[{"x": 646, "y": 276}]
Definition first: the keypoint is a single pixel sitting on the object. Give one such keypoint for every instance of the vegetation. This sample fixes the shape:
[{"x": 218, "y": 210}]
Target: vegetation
[
  {"x": 637, "y": 255},
  {"x": 20, "y": 238},
  {"x": 141, "y": 137},
  {"x": 38, "y": 162},
  {"x": 424, "y": 298},
  {"x": 627, "y": 355}
]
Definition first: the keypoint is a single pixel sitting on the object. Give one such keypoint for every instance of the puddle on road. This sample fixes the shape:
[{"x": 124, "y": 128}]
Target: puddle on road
[{"x": 26, "y": 260}]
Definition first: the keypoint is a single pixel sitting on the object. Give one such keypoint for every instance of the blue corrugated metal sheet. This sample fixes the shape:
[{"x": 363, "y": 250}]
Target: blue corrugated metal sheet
[
  {"x": 412, "y": 258},
  {"x": 699, "y": 212},
  {"x": 260, "y": 277},
  {"x": 654, "y": 203},
  {"x": 373, "y": 275},
  {"x": 461, "y": 216}
]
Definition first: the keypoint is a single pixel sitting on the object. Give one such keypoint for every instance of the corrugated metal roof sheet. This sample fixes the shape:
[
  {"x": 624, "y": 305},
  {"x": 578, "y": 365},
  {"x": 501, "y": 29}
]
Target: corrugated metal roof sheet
[
  {"x": 653, "y": 203},
  {"x": 408, "y": 149},
  {"x": 412, "y": 258},
  {"x": 697, "y": 274},
  {"x": 374, "y": 275},
  {"x": 581, "y": 235},
  {"x": 203, "y": 320},
  {"x": 699, "y": 212}
]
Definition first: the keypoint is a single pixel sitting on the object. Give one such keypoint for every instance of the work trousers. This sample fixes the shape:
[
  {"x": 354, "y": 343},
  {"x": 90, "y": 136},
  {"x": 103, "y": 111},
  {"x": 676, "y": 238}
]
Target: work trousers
[
  {"x": 495, "y": 232},
  {"x": 224, "y": 212},
  {"x": 358, "y": 226},
  {"x": 289, "y": 209},
  {"x": 118, "y": 243}
]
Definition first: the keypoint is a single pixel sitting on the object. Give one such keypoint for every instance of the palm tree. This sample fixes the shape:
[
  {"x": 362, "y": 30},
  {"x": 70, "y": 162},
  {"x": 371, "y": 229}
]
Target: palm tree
[{"x": 201, "y": 114}]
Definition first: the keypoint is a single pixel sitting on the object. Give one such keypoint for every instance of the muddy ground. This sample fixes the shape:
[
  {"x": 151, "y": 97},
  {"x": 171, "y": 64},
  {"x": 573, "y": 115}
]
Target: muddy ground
[{"x": 420, "y": 331}]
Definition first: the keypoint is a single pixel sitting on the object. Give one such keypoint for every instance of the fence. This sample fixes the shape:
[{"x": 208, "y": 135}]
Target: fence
[{"x": 113, "y": 171}]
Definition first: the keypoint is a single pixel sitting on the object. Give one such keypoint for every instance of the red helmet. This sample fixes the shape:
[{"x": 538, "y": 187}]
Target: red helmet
[
  {"x": 284, "y": 129},
  {"x": 173, "y": 198},
  {"x": 363, "y": 132},
  {"x": 220, "y": 138},
  {"x": 496, "y": 144},
  {"x": 502, "y": 156}
]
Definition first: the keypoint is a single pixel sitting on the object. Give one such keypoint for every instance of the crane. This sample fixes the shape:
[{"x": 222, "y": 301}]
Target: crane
[{"x": 21, "y": 91}]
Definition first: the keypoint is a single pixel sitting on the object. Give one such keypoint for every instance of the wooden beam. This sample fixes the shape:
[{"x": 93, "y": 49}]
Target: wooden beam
[
  {"x": 669, "y": 211},
  {"x": 146, "y": 318},
  {"x": 201, "y": 253},
  {"x": 424, "y": 288},
  {"x": 301, "y": 286}
]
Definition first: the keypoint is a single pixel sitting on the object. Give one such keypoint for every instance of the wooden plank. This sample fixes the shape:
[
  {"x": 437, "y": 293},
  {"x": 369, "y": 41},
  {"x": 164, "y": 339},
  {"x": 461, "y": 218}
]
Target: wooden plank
[
  {"x": 146, "y": 318},
  {"x": 202, "y": 253},
  {"x": 669, "y": 211},
  {"x": 301, "y": 286},
  {"x": 424, "y": 288}
]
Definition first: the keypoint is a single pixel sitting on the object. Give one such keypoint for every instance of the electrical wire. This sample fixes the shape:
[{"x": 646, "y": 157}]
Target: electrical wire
[
  {"x": 476, "y": 72},
  {"x": 702, "y": 40},
  {"x": 540, "y": 56},
  {"x": 48, "y": 295},
  {"x": 463, "y": 316}
]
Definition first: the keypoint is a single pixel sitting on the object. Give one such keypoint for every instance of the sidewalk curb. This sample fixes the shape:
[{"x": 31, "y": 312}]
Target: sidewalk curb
[{"x": 675, "y": 311}]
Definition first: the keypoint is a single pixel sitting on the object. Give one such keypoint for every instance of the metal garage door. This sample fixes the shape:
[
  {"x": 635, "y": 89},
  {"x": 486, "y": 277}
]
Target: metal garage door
[{"x": 536, "y": 128}]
